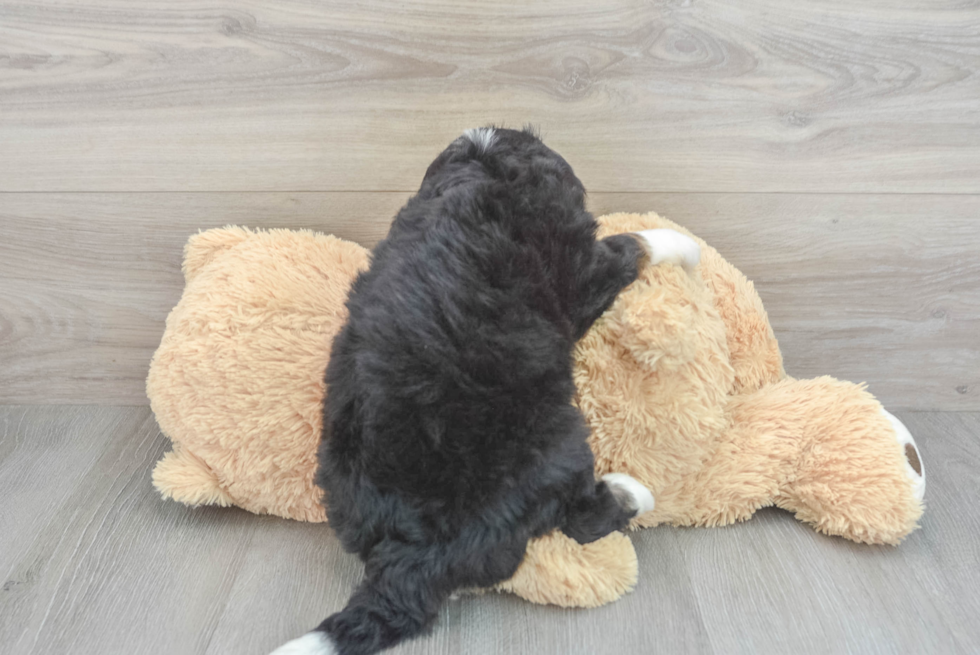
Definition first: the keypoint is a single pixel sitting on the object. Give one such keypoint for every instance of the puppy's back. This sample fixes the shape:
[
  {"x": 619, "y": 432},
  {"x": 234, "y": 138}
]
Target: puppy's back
[{"x": 455, "y": 363}]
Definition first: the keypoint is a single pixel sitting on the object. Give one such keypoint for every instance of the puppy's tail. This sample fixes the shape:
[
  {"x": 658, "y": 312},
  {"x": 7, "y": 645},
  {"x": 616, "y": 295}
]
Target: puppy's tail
[{"x": 396, "y": 602}]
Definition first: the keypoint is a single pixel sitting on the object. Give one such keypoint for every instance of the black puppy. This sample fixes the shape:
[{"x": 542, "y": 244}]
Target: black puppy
[{"x": 450, "y": 438}]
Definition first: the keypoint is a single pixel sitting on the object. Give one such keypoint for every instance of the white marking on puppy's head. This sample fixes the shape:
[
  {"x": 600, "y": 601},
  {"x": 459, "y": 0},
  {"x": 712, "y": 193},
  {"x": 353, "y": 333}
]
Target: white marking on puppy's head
[{"x": 483, "y": 137}]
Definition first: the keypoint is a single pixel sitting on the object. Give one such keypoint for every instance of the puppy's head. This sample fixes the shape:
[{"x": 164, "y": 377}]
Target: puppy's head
[{"x": 516, "y": 159}]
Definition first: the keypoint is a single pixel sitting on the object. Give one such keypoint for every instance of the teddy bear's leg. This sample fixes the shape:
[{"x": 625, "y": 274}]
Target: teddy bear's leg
[
  {"x": 559, "y": 571},
  {"x": 186, "y": 478},
  {"x": 586, "y": 562},
  {"x": 667, "y": 246},
  {"x": 914, "y": 469}
]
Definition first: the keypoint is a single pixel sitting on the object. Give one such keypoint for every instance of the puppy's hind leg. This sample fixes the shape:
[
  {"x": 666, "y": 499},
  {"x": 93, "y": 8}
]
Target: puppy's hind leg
[
  {"x": 629, "y": 492},
  {"x": 606, "y": 507}
]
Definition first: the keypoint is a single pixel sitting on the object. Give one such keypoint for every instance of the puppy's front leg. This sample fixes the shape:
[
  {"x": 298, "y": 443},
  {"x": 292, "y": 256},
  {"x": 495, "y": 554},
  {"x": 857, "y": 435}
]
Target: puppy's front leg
[
  {"x": 616, "y": 262},
  {"x": 613, "y": 264}
]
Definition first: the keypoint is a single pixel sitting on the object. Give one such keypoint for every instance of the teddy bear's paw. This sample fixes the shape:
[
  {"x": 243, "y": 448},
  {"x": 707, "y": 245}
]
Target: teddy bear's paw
[
  {"x": 312, "y": 643},
  {"x": 671, "y": 247},
  {"x": 629, "y": 492},
  {"x": 913, "y": 463}
]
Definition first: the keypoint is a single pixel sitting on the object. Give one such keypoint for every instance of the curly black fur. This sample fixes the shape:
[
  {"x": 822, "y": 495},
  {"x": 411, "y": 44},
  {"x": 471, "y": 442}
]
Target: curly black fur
[{"x": 450, "y": 438}]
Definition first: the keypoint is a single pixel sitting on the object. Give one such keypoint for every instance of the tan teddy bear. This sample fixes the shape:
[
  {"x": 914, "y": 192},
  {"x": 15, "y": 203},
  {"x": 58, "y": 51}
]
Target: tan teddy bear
[{"x": 681, "y": 382}]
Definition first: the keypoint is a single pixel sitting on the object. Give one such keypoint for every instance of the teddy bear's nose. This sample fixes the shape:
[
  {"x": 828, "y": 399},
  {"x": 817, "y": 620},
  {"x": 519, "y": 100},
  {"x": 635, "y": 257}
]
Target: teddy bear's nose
[{"x": 912, "y": 455}]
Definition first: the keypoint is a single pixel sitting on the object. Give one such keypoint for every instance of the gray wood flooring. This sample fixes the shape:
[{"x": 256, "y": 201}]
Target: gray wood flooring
[{"x": 93, "y": 561}]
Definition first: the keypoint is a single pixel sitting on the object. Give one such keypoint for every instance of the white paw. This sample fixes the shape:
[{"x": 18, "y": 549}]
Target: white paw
[
  {"x": 913, "y": 462},
  {"x": 671, "y": 247},
  {"x": 637, "y": 496},
  {"x": 312, "y": 643}
]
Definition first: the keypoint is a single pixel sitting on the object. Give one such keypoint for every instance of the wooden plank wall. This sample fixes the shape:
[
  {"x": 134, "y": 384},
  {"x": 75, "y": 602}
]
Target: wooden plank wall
[{"x": 831, "y": 150}]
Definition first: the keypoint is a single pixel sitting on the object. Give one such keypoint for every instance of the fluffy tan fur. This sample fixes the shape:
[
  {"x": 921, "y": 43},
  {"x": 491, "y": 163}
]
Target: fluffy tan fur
[
  {"x": 681, "y": 381},
  {"x": 237, "y": 382}
]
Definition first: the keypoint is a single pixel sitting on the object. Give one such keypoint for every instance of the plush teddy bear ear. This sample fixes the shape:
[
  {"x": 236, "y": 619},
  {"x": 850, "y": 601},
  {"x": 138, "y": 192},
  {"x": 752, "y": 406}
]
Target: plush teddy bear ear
[{"x": 202, "y": 248}]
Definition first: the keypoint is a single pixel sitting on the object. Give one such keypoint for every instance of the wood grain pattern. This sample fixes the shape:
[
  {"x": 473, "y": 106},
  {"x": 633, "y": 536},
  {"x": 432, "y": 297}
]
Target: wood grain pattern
[
  {"x": 111, "y": 566},
  {"x": 93, "y": 561},
  {"x": 830, "y": 150},
  {"x": 883, "y": 289},
  {"x": 876, "y": 288},
  {"x": 672, "y": 95}
]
